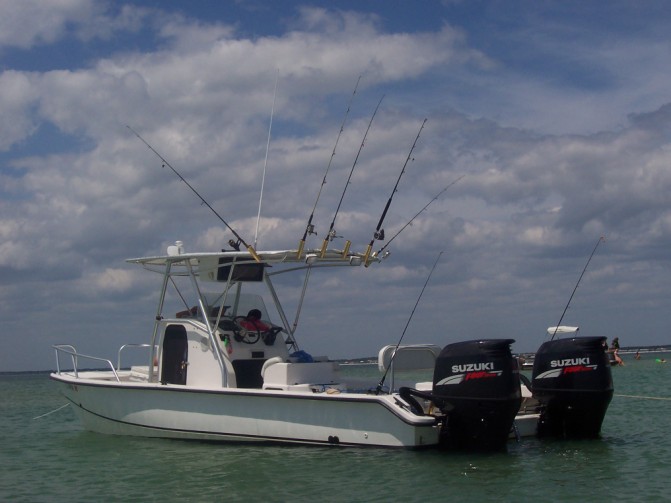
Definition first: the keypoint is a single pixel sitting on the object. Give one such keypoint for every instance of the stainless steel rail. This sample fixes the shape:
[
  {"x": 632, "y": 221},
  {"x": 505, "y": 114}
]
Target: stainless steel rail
[{"x": 72, "y": 351}]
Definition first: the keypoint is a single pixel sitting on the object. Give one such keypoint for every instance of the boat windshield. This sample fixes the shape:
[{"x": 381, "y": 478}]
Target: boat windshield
[{"x": 239, "y": 306}]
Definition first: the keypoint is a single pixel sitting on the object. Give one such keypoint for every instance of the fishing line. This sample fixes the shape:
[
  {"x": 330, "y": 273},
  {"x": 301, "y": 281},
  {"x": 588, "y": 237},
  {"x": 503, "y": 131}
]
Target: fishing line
[
  {"x": 250, "y": 249},
  {"x": 417, "y": 214},
  {"x": 576, "y": 286},
  {"x": 309, "y": 228},
  {"x": 391, "y": 360},
  {"x": 55, "y": 410}
]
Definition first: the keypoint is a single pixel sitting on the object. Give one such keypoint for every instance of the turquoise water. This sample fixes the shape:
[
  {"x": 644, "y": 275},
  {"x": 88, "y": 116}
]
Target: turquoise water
[{"x": 52, "y": 459}]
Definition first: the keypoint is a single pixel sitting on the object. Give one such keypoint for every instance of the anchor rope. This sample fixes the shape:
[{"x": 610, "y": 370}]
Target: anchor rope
[
  {"x": 645, "y": 397},
  {"x": 55, "y": 410}
]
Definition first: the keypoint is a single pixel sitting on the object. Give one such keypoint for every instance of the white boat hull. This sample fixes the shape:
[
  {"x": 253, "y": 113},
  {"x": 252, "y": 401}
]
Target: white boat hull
[{"x": 171, "y": 411}]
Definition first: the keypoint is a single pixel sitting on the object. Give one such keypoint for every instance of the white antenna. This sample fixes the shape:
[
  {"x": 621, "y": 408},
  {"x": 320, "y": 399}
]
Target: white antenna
[{"x": 265, "y": 163}]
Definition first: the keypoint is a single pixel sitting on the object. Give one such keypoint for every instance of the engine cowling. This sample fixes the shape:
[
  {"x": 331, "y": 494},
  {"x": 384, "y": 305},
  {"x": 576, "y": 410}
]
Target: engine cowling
[
  {"x": 477, "y": 386},
  {"x": 572, "y": 380}
]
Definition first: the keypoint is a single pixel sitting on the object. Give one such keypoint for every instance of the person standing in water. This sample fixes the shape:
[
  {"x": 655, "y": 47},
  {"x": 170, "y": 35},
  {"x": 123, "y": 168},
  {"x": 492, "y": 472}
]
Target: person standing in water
[{"x": 615, "y": 348}]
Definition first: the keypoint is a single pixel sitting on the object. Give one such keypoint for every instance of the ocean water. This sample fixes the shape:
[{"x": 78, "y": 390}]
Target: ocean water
[{"x": 46, "y": 458}]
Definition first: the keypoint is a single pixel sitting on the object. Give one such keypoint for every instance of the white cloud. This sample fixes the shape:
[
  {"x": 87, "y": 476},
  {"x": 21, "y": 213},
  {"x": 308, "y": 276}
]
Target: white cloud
[
  {"x": 31, "y": 22},
  {"x": 525, "y": 216},
  {"x": 111, "y": 280},
  {"x": 17, "y": 100}
]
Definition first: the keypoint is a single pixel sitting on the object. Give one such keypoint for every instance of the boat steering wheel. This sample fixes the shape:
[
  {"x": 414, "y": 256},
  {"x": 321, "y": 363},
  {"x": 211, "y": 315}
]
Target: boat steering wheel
[{"x": 245, "y": 335}]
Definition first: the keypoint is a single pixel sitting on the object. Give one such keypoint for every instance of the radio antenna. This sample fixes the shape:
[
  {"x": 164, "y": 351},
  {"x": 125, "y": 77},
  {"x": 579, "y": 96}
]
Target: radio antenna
[{"x": 265, "y": 162}]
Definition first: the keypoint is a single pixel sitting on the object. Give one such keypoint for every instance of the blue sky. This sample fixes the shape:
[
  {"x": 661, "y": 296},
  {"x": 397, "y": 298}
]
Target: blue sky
[{"x": 558, "y": 114}]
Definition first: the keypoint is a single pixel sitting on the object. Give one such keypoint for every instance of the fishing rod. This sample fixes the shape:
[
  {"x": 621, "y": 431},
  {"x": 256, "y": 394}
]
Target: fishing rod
[
  {"x": 417, "y": 214},
  {"x": 398, "y": 344},
  {"x": 331, "y": 234},
  {"x": 250, "y": 249},
  {"x": 576, "y": 285},
  {"x": 309, "y": 228},
  {"x": 379, "y": 231}
]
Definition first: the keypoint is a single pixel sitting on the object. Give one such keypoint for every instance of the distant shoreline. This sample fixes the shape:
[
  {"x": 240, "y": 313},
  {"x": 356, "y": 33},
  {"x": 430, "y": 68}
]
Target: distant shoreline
[{"x": 629, "y": 350}]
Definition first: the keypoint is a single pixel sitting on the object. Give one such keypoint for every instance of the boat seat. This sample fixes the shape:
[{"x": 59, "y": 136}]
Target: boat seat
[
  {"x": 410, "y": 357},
  {"x": 277, "y": 373},
  {"x": 248, "y": 373}
]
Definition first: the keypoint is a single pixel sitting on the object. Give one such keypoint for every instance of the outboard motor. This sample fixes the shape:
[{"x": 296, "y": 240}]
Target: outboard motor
[
  {"x": 572, "y": 380},
  {"x": 477, "y": 386}
]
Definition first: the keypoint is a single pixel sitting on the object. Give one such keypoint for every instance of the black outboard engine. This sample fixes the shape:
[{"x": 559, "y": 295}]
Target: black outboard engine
[
  {"x": 572, "y": 380},
  {"x": 477, "y": 385}
]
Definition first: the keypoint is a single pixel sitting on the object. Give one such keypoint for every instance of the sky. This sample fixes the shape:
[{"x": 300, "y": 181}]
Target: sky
[{"x": 556, "y": 114}]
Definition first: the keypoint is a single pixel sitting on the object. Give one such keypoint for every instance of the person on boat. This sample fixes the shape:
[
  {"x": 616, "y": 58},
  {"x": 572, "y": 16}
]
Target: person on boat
[
  {"x": 615, "y": 348},
  {"x": 253, "y": 322}
]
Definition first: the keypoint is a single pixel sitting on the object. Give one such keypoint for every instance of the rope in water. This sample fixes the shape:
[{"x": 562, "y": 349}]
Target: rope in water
[
  {"x": 55, "y": 410},
  {"x": 645, "y": 397}
]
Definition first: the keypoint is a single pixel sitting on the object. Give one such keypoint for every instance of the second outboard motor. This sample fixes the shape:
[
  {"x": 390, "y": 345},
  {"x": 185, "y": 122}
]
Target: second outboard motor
[
  {"x": 477, "y": 385},
  {"x": 572, "y": 380}
]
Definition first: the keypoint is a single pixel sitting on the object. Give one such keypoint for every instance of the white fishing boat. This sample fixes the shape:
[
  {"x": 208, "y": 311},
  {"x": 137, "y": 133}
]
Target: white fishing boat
[
  {"x": 226, "y": 365},
  {"x": 209, "y": 376}
]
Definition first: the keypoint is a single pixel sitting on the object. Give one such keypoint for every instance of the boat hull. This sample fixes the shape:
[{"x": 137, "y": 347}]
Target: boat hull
[{"x": 182, "y": 412}]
